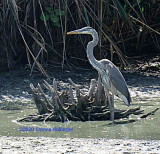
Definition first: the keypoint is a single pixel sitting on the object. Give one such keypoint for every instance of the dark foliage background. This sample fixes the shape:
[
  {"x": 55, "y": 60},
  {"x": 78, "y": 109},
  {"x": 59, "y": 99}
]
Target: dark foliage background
[{"x": 34, "y": 31}]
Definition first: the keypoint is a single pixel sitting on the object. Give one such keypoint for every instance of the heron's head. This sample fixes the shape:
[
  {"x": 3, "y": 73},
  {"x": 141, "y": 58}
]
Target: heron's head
[{"x": 84, "y": 30}]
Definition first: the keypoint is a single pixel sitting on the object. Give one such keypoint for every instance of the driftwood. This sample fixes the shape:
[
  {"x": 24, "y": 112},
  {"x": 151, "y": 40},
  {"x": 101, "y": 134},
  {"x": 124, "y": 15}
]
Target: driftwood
[{"x": 66, "y": 105}]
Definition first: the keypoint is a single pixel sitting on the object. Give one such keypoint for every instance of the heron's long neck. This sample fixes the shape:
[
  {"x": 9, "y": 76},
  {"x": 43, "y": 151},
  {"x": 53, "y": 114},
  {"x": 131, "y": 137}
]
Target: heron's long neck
[{"x": 90, "y": 47}]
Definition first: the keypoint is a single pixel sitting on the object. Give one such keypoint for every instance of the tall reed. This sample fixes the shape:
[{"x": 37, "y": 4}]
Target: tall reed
[{"x": 34, "y": 31}]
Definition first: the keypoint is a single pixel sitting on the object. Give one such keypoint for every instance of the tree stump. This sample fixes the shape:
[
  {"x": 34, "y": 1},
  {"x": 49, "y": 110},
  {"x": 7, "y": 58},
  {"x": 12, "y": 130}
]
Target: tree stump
[{"x": 65, "y": 105}]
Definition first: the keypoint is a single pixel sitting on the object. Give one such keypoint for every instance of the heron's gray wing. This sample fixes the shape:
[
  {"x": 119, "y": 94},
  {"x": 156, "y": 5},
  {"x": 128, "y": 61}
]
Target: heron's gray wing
[{"x": 117, "y": 79}]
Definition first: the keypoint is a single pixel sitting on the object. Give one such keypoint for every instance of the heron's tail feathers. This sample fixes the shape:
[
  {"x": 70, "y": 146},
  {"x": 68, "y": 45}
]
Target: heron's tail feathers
[{"x": 127, "y": 100}]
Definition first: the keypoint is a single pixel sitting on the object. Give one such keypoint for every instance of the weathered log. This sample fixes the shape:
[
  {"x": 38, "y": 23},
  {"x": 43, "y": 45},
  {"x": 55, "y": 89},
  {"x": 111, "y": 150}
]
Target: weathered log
[
  {"x": 100, "y": 94},
  {"x": 92, "y": 88},
  {"x": 75, "y": 86},
  {"x": 53, "y": 91},
  {"x": 71, "y": 95},
  {"x": 48, "y": 104},
  {"x": 83, "y": 107},
  {"x": 41, "y": 106}
]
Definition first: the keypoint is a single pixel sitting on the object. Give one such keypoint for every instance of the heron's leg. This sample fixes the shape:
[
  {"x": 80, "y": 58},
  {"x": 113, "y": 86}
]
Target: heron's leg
[
  {"x": 112, "y": 108},
  {"x": 111, "y": 105}
]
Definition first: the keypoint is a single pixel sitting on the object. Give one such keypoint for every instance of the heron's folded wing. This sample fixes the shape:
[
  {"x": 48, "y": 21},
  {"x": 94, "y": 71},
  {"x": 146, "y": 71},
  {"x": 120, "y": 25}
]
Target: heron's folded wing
[{"x": 117, "y": 79}]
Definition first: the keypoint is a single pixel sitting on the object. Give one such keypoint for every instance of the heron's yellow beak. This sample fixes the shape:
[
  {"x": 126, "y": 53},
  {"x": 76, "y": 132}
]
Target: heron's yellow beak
[
  {"x": 84, "y": 30},
  {"x": 74, "y": 32},
  {"x": 79, "y": 31}
]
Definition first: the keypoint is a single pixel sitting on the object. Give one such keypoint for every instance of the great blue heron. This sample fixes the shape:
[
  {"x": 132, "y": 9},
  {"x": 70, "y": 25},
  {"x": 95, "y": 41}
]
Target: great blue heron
[{"x": 111, "y": 78}]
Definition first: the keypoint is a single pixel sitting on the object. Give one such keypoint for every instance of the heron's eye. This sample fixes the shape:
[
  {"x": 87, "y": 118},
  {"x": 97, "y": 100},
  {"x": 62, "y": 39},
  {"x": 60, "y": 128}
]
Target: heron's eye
[{"x": 88, "y": 29}]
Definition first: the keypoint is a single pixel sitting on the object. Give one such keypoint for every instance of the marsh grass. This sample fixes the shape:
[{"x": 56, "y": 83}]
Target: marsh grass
[{"x": 34, "y": 31}]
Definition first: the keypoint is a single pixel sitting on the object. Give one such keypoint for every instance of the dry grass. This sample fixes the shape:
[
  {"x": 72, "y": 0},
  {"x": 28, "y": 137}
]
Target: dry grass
[{"x": 35, "y": 31}]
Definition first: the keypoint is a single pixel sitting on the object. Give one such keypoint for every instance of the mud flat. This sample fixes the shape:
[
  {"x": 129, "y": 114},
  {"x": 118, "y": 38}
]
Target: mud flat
[{"x": 76, "y": 145}]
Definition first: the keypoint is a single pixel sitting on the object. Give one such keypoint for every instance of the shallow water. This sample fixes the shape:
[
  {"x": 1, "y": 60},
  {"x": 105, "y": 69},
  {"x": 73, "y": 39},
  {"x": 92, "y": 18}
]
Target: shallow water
[{"x": 136, "y": 128}]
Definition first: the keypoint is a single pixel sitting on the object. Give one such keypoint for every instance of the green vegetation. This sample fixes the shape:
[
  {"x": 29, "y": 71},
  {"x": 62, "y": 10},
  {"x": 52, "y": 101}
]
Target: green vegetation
[
  {"x": 34, "y": 32},
  {"x": 53, "y": 16}
]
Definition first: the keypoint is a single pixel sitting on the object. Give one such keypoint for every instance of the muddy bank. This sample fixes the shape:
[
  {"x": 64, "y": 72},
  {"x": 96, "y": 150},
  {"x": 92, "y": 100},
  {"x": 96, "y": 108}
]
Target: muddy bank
[
  {"x": 76, "y": 145},
  {"x": 14, "y": 85}
]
